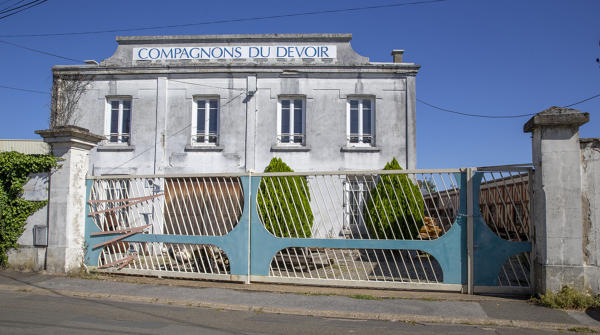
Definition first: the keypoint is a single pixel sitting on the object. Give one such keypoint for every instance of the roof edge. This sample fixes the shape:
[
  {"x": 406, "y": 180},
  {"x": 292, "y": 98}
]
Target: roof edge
[{"x": 233, "y": 38}]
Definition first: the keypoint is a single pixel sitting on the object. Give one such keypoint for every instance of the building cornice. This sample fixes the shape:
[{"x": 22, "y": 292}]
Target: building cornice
[
  {"x": 391, "y": 68},
  {"x": 234, "y": 38}
]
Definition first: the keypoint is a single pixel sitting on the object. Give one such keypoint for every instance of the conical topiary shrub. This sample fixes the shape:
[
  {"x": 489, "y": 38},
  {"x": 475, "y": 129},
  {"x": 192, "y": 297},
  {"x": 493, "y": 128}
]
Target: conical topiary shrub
[
  {"x": 284, "y": 203},
  {"x": 394, "y": 209}
]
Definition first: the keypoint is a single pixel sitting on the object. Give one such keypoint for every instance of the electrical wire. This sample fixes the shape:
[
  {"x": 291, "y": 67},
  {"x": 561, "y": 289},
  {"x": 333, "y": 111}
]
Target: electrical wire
[
  {"x": 7, "y": 1},
  {"x": 8, "y": 9},
  {"x": 22, "y": 9},
  {"x": 419, "y": 100},
  {"x": 474, "y": 115},
  {"x": 223, "y": 88},
  {"x": 168, "y": 134},
  {"x": 584, "y": 100},
  {"x": 23, "y": 89},
  {"x": 243, "y": 19},
  {"x": 41, "y": 51},
  {"x": 501, "y": 116}
]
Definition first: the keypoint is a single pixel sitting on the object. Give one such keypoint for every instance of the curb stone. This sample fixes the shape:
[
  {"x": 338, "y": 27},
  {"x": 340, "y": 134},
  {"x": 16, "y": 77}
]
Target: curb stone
[{"x": 303, "y": 312}]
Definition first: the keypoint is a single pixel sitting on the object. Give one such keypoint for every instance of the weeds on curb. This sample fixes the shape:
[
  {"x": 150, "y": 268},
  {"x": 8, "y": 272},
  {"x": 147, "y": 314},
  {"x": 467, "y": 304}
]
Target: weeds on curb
[
  {"x": 568, "y": 298},
  {"x": 582, "y": 330}
]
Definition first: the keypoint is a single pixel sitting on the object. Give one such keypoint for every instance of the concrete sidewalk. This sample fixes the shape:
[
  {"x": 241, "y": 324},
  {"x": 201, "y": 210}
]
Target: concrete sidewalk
[{"x": 407, "y": 306}]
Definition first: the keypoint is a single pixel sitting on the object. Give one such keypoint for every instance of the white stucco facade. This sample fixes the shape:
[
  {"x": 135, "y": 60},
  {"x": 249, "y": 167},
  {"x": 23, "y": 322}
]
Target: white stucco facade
[{"x": 163, "y": 96}]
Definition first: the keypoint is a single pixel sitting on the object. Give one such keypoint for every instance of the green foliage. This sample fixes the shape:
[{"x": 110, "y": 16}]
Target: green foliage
[
  {"x": 568, "y": 298},
  {"x": 284, "y": 203},
  {"x": 395, "y": 206},
  {"x": 427, "y": 185},
  {"x": 14, "y": 171}
]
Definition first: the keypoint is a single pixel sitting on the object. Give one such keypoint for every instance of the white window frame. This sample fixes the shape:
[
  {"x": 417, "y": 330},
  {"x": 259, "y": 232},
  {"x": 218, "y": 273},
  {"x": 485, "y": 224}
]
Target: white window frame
[
  {"x": 291, "y": 135},
  {"x": 108, "y": 121},
  {"x": 194, "y": 127},
  {"x": 356, "y": 193},
  {"x": 361, "y": 138}
]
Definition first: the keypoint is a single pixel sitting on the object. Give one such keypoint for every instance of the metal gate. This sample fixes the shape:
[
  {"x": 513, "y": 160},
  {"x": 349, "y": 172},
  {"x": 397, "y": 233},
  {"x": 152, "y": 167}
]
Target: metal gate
[{"x": 457, "y": 229}]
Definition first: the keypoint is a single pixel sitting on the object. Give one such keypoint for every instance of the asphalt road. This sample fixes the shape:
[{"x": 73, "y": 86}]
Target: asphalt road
[{"x": 29, "y": 313}]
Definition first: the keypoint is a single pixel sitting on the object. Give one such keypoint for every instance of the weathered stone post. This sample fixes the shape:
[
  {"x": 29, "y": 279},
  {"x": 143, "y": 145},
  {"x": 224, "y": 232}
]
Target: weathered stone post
[
  {"x": 557, "y": 206},
  {"x": 66, "y": 217}
]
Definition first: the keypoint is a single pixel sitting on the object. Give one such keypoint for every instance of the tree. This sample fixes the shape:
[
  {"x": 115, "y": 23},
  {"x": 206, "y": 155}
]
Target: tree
[
  {"x": 67, "y": 90},
  {"x": 395, "y": 208},
  {"x": 284, "y": 203},
  {"x": 427, "y": 185}
]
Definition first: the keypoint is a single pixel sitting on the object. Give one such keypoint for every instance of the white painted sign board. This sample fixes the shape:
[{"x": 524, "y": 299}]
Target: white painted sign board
[{"x": 235, "y": 52}]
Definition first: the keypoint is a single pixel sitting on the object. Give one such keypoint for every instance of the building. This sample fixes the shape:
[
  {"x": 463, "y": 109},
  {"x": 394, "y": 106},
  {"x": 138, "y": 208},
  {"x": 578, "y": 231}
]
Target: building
[
  {"x": 230, "y": 103},
  {"x": 28, "y": 147}
]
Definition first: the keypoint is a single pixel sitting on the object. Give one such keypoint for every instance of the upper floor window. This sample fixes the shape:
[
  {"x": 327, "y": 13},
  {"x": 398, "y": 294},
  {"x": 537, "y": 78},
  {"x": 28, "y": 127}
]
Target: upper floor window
[
  {"x": 291, "y": 121},
  {"x": 205, "y": 121},
  {"x": 360, "y": 128},
  {"x": 118, "y": 127}
]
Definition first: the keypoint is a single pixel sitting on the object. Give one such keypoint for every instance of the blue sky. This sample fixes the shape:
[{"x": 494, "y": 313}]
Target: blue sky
[{"x": 477, "y": 56}]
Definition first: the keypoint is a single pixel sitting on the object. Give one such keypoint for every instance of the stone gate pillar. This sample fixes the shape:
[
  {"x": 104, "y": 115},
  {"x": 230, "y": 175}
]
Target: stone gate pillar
[
  {"x": 66, "y": 205},
  {"x": 557, "y": 207}
]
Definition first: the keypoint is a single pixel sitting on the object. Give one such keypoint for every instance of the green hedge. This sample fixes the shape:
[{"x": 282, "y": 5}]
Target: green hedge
[
  {"x": 396, "y": 200},
  {"x": 14, "y": 210},
  {"x": 284, "y": 203}
]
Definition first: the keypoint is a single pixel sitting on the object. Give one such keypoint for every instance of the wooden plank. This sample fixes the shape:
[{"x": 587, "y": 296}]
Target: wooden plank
[
  {"x": 120, "y": 231},
  {"x": 133, "y": 231},
  {"x": 125, "y": 260},
  {"x": 126, "y": 205},
  {"x": 126, "y": 199}
]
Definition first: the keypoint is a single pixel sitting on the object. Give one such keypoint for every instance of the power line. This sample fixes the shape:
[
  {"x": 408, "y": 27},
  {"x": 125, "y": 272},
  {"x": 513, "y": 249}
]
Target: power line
[
  {"x": 23, "y": 89},
  {"x": 9, "y": 9},
  {"x": 419, "y": 100},
  {"x": 41, "y": 51},
  {"x": 244, "y": 19},
  {"x": 7, "y": 1},
  {"x": 35, "y": 3},
  {"x": 168, "y": 134},
  {"x": 474, "y": 115},
  {"x": 500, "y": 116},
  {"x": 584, "y": 100},
  {"x": 223, "y": 88}
]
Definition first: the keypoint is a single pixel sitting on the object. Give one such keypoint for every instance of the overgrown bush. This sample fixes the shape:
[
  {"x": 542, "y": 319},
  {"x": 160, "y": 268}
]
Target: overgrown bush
[
  {"x": 395, "y": 206},
  {"x": 284, "y": 203},
  {"x": 14, "y": 171},
  {"x": 568, "y": 298}
]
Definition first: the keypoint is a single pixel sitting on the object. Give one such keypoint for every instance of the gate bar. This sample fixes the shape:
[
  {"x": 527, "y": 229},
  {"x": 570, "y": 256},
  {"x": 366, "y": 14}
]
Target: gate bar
[{"x": 470, "y": 261}]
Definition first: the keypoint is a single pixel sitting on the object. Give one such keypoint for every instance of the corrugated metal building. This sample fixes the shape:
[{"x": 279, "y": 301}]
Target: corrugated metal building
[{"x": 30, "y": 147}]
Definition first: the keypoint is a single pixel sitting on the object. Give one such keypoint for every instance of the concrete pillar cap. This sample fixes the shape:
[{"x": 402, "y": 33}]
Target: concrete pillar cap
[
  {"x": 70, "y": 135},
  {"x": 556, "y": 117}
]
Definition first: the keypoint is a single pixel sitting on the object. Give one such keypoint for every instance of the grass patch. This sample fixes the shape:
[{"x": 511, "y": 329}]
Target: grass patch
[
  {"x": 582, "y": 330},
  {"x": 353, "y": 296},
  {"x": 363, "y": 297},
  {"x": 428, "y": 299},
  {"x": 568, "y": 298}
]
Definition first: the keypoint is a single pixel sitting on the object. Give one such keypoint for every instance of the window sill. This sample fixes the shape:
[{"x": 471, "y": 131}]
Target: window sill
[
  {"x": 116, "y": 147},
  {"x": 359, "y": 149},
  {"x": 289, "y": 148},
  {"x": 203, "y": 148}
]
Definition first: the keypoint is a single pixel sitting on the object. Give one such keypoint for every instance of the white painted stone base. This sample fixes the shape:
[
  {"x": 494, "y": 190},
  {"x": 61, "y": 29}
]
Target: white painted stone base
[{"x": 27, "y": 258}]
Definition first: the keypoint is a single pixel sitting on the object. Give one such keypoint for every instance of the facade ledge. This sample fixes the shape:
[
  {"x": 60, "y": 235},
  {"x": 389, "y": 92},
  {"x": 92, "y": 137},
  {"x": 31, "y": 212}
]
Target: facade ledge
[
  {"x": 203, "y": 148},
  {"x": 289, "y": 148},
  {"x": 346, "y": 148},
  {"x": 115, "y": 147}
]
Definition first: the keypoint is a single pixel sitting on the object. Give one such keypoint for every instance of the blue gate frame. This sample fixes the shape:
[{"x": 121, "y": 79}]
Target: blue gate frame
[{"x": 250, "y": 248}]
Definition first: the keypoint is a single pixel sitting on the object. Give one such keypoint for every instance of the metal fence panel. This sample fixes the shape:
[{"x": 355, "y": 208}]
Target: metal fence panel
[{"x": 392, "y": 228}]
